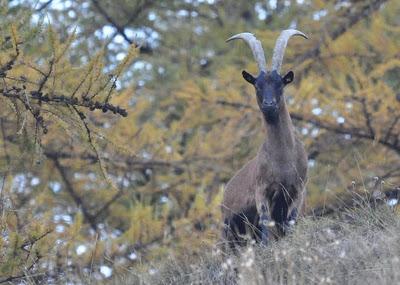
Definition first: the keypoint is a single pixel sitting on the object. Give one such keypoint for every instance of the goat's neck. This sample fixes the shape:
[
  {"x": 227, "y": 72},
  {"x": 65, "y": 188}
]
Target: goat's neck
[{"x": 280, "y": 134}]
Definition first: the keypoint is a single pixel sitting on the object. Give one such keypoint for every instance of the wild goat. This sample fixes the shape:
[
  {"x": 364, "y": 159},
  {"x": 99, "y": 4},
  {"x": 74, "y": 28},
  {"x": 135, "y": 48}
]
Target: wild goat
[{"x": 267, "y": 193}]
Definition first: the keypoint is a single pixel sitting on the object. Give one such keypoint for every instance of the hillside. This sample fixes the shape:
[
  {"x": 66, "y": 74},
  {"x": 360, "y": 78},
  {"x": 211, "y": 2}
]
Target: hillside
[{"x": 356, "y": 247}]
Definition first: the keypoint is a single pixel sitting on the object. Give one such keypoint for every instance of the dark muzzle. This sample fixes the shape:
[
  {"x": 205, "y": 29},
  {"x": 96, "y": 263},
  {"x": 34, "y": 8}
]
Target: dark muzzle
[
  {"x": 270, "y": 111},
  {"x": 269, "y": 107}
]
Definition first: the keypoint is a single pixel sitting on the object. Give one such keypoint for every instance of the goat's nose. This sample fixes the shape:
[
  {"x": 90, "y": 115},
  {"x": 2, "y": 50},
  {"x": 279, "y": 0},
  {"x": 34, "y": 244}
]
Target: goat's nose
[{"x": 268, "y": 103}]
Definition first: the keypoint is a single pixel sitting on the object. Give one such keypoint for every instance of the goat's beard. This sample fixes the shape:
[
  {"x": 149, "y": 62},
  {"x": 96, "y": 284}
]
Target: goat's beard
[{"x": 271, "y": 116}]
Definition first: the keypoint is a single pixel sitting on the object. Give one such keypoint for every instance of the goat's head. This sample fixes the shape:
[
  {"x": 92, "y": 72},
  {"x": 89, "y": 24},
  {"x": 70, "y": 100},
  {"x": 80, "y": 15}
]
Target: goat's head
[{"x": 269, "y": 84}]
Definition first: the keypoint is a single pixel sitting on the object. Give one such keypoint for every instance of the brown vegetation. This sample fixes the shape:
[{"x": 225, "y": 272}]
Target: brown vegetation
[{"x": 360, "y": 246}]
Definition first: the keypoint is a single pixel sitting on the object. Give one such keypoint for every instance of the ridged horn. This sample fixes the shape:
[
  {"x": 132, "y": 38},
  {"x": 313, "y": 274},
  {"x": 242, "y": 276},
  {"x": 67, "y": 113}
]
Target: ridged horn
[
  {"x": 256, "y": 48},
  {"x": 280, "y": 46}
]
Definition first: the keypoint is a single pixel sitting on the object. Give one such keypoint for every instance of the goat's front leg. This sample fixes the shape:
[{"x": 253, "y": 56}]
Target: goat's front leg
[
  {"x": 298, "y": 208},
  {"x": 291, "y": 220},
  {"x": 264, "y": 222},
  {"x": 264, "y": 214}
]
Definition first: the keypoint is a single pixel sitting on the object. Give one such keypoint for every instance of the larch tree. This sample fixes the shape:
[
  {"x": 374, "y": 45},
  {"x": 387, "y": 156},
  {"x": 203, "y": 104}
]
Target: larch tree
[{"x": 122, "y": 120}]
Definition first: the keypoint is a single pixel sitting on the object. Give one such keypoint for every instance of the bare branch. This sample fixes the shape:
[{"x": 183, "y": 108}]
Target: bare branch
[
  {"x": 18, "y": 93},
  {"x": 118, "y": 27},
  {"x": 355, "y": 132},
  {"x": 44, "y": 6},
  {"x": 78, "y": 200},
  {"x": 367, "y": 116}
]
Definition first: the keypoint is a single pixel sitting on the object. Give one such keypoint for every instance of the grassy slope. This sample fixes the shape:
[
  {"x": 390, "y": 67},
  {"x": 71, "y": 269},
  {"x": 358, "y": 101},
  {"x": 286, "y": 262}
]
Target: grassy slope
[{"x": 360, "y": 247}]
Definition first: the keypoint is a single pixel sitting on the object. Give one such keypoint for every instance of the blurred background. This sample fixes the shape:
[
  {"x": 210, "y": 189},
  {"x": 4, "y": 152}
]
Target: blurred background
[{"x": 121, "y": 121}]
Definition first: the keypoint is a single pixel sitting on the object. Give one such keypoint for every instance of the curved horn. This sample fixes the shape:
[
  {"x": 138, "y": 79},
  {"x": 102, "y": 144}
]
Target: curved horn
[
  {"x": 280, "y": 46},
  {"x": 255, "y": 46}
]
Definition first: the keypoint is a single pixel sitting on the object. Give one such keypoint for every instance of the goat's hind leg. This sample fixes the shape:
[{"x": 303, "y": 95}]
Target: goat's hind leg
[
  {"x": 234, "y": 231},
  {"x": 229, "y": 237}
]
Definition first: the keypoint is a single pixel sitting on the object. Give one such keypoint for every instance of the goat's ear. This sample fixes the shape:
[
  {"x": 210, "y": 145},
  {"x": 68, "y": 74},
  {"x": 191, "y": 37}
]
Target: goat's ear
[
  {"x": 248, "y": 77},
  {"x": 288, "y": 78}
]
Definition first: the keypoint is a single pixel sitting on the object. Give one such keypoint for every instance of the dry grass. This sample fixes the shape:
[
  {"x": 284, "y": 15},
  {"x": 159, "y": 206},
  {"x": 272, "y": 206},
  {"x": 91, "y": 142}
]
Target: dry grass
[{"x": 358, "y": 247}]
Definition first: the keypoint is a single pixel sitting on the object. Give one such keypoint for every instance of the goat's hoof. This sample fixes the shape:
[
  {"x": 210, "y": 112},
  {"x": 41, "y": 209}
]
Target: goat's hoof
[
  {"x": 264, "y": 242},
  {"x": 288, "y": 227}
]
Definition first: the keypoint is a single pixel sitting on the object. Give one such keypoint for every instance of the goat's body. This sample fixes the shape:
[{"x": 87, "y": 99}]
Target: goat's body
[
  {"x": 267, "y": 193},
  {"x": 276, "y": 177}
]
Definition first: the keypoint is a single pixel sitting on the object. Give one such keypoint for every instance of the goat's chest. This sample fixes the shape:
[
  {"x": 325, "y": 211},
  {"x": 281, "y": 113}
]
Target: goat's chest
[{"x": 278, "y": 172}]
